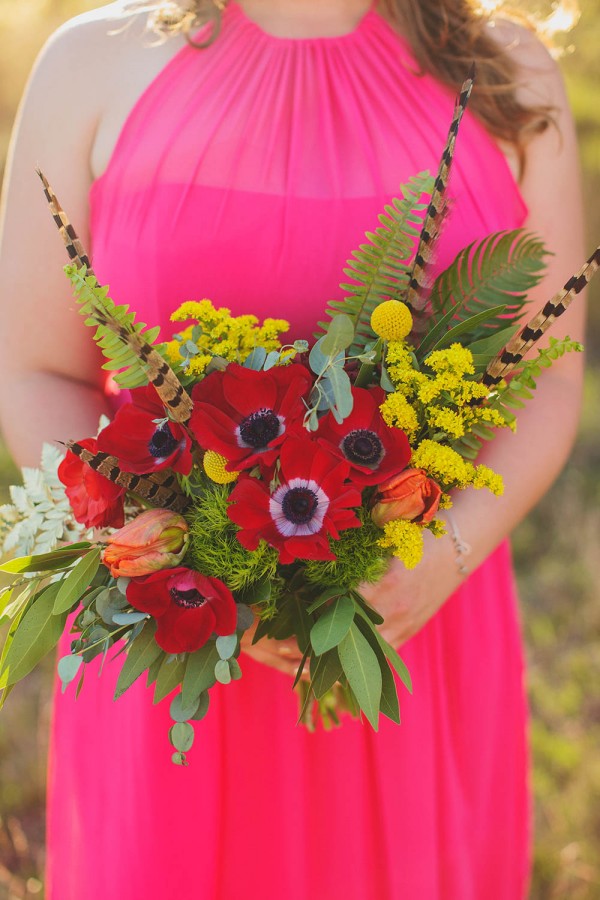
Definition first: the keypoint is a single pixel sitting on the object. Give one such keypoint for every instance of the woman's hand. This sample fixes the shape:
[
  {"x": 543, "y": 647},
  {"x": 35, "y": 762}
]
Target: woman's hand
[
  {"x": 407, "y": 599},
  {"x": 284, "y": 656}
]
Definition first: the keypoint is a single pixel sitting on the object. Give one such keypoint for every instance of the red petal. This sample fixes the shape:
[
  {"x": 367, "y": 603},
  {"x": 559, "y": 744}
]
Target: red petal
[
  {"x": 150, "y": 594},
  {"x": 185, "y": 630}
]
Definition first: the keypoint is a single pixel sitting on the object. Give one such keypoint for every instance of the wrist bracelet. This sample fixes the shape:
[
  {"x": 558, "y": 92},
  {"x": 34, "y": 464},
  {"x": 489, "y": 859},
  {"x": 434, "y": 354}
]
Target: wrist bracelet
[{"x": 461, "y": 548}]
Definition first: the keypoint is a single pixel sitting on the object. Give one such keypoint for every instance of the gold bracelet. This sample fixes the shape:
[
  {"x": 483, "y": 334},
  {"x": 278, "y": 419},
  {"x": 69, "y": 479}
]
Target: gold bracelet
[{"x": 461, "y": 548}]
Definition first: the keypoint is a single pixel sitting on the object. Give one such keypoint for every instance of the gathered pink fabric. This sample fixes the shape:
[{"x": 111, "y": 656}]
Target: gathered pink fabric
[{"x": 247, "y": 173}]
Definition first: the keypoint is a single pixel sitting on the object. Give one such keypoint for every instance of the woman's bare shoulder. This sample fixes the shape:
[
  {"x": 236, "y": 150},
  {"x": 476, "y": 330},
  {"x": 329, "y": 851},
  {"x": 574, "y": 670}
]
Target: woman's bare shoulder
[{"x": 90, "y": 73}]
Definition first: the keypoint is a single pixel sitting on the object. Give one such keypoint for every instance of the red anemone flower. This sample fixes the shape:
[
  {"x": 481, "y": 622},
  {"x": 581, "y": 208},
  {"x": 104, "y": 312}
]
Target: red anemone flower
[
  {"x": 311, "y": 503},
  {"x": 245, "y": 415},
  {"x": 374, "y": 450},
  {"x": 95, "y": 500},
  {"x": 143, "y": 439},
  {"x": 188, "y": 607}
]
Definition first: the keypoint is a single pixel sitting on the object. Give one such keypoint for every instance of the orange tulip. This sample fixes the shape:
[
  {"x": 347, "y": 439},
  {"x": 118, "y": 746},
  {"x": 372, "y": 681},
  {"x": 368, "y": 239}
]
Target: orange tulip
[
  {"x": 156, "y": 539},
  {"x": 410, "y": 495}
]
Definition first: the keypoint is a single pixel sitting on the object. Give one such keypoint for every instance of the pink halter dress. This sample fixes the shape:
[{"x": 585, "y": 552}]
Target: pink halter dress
[{"x": 247, "y": 173}]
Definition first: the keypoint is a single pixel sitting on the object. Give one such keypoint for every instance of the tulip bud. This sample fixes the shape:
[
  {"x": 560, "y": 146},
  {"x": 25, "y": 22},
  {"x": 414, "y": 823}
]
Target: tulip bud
[
  {"x": 156, "y": 539},
  {"x": 411, "y": 495}
]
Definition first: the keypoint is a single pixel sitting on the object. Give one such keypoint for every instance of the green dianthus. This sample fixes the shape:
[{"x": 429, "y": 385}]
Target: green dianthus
[
  {"x": 359, "y": 558},
  {"x": 215, "y": 550}
]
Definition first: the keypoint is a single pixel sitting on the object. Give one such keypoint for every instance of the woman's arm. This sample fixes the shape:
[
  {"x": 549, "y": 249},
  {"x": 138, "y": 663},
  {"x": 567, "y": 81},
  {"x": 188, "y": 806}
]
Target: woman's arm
[
  {"x": 531, "y": 459},
  {"x": 49, "y": 368}
]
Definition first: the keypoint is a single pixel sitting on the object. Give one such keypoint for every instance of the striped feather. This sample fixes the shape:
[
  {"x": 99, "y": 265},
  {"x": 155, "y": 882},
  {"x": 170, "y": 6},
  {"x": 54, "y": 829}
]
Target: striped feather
[
  {"x": 161, "y": 490},
  {"x": 434, "y": 217},
  {"x": 522, "y": 342},
  {"x": 158, "y": 371}
]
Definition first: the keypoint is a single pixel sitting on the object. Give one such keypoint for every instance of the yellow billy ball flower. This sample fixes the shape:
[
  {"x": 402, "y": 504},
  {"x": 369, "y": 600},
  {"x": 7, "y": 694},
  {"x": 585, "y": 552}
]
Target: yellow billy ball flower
[
  {"x": 214, "y": 466},
  {"x": 392, "y": 320}
]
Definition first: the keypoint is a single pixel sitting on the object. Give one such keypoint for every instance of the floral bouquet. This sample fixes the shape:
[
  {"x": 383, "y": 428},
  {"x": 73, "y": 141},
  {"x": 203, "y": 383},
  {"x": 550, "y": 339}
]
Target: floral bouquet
[{"x": 252, "y": 484}]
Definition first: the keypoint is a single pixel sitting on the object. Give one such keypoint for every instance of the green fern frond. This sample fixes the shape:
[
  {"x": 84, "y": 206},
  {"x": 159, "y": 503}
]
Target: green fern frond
[
  {"x": 380, "y": 269},
  {"x": 93, "y": 297},
  {"x": 499, "y": 270},
  {"x": 513, "y": 394}
]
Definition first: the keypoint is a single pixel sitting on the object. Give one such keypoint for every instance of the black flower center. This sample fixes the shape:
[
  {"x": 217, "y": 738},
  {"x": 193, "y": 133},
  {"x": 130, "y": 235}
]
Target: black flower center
[
  {"x": 362, "y": 447},
  {"x": 260, "y": 428},
  {"x": 163, "y": 442},
  {"x": 299, "y": 505},
  {"x": 190, "y": 599}
]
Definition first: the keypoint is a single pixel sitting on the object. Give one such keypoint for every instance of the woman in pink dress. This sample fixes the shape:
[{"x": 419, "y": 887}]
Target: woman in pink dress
[{"x": 247, "y": 172}]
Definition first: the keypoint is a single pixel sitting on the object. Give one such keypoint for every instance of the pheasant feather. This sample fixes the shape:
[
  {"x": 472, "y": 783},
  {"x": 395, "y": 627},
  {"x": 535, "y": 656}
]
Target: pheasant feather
[
  {"x": 160, "y": 490},
  {"x": 522, "y": 342},
  {"x": 436, "y": 211},
  {"x": 114, "y": 319}
]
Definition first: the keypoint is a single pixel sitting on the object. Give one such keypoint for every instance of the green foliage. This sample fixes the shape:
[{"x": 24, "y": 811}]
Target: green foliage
[
  {"x": 38, "y": 632},
  {"x": 142, "y": 652},
  {"x": 215, "y": 550},
  {"x": 380, "y": 270},
  {"x": 499, "y": 270},
  {"x": 332, "y": 626},
  {"x": 358, "y": 558},
  {"x": 361, "y": 668},
  {"x": 93, "y": 298},
  {"x": 512, "y": 394}
]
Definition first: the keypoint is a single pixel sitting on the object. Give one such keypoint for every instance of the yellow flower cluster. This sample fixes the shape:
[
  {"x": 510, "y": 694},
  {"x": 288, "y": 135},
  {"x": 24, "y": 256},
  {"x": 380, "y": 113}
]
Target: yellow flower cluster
[
  {"x": 217, "y": 333},
  {"x": 487, "y": 478},
  {"x": 446, "y": 420},
  {"x": 443, "y": 464},
  {"x": 405, "y": 540},
  {"x": 397, "y": 412},
  {"x": 449, "y": 468},
  {"x": 438, "y": 399}
]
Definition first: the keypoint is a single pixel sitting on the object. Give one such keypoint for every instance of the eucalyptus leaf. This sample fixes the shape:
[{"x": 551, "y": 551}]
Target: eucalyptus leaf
[
  {"x": 129, "y": 618},
  {"x": 235, "y": 669},
  {"x": 226, "y": 646},
  {"x": 181, "y": 713},
  {"x": 256, "y": 359},
  {"x": 182, "y": 736},
  {"x": 271, "y": 360},
  {"x": 318, "y": 360},
  {"x": 199, "y": 673},
  {"x": 245, "y": 617},
  {"x": 332, "y": 626},
  {"x": 68, "y": 669},
  {"x": 340, "y": 335},
  {"x": 223, "y": 672},
  {"x": 361, "y": 668},
  {"x": 203, "y": 704},
  {"x": 342, "y": 390}
]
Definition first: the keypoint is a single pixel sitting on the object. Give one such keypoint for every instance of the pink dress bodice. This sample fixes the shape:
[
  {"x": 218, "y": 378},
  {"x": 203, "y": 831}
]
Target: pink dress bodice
[{"x": 247, "y": 173}]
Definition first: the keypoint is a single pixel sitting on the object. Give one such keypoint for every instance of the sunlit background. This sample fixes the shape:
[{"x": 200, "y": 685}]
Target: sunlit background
[{"x": 557, "y": 553}]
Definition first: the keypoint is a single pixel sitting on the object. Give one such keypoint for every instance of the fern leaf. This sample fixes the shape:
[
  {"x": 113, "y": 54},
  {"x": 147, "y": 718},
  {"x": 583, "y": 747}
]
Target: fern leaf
[
  {"x": 499, "y": 270},
  {"x": 127, "y": 344},
  {"x": 120, "y": 356},
  {"x": 380, "y": 269}
]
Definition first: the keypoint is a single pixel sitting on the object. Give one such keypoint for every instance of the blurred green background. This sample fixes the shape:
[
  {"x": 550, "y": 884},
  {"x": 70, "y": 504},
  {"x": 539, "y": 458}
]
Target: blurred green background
[{"x": 558, "y": 575}]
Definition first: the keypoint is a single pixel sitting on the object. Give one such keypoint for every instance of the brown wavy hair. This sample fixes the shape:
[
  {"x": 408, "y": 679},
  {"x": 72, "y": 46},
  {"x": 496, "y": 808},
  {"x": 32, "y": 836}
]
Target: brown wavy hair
[{"x": 446, "y": 37}]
